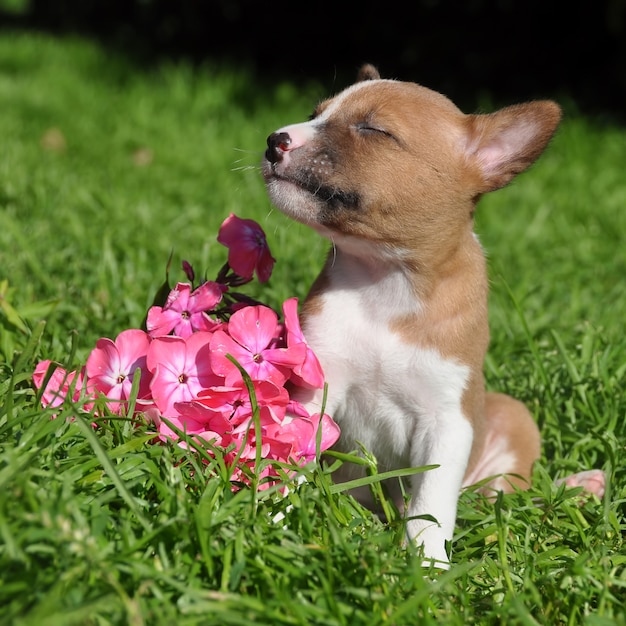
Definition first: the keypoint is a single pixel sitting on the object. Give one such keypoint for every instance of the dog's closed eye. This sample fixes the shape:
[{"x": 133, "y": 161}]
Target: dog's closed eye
[{"x": 370, "y": 128}]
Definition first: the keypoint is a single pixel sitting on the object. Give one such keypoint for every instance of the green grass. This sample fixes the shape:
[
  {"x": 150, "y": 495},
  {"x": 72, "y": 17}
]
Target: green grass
[{"x": 107, "y": 168}]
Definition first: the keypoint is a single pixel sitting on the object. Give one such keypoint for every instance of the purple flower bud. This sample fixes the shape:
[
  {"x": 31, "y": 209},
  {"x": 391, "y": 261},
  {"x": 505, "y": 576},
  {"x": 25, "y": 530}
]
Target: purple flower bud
[{"x": 188, "y": 271}]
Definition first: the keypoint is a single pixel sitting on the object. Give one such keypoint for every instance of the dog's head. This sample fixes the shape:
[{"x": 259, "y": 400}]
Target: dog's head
[{"x": 398, "y": 164}]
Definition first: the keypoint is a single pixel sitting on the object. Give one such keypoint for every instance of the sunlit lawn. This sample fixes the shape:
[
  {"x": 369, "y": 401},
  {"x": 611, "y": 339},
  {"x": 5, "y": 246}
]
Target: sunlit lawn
[{"x": 105, "y": 170}]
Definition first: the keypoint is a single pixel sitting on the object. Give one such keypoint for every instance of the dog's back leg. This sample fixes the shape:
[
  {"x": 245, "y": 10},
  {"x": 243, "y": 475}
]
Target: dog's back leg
[{"x": 511, "y": 446}]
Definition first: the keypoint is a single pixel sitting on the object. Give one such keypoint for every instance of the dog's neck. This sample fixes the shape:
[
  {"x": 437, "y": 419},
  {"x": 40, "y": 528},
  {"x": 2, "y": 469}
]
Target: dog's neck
[
  {"x": 415, "y": 271},
  {"x": 385, "y": 289}
]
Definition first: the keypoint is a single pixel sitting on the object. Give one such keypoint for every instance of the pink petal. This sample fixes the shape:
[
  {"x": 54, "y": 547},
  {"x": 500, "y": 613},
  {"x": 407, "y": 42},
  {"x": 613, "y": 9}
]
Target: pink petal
[
  {"x": 40, "y": 372},
  {"x": 275, "y": 364},
  {"x": 188, "y": 426},
  {"x": 204, "y": 417},
  {"x": 296, "y": 409},
  {"x": 287, "y": 357},
  {"x": 253, "y": 327},
  {"x": 205, "y": 297},
  {"x": 266, "y": 370},
  {"x": 303, "y": 433},
  {"x": 58, "y": 385},
  {"x": 111, "y": 366},
  {"x": 221, "y": 398},
  {"x": 170, "y": 350},
  {"x": 247, "y": 247},
  {"x": 202, "y": 322},
  {"x": 232, "y": 402},
  {"x": 183, "y": 328},
  {"x": 309, "y": 373},
  {"x": 161, "y": 321},
  {"x": 265, "y": 265},
  {"x": 292, "y": 321},
  {"x": 272, "y": 399},
  {"x": 167, "y": 390},
  {"x": 184, "y": 312},
  {"x": 279, "y": 449},
  {"x": 299, "y": 433},
  {"x": 178, "y": 298},
  {"x": 234, "y": 229},
  {"x": 132, "y": 346},
  {"x": 235, "y": 235},
  {"x": 103, "y": 365},
  {"x": 242, "y": 261},
  {"x": 182, "y": 368},
  {"x": 221, "y": 345},
  {"x": 198, "y": 354},
  {"x": 330, "y": 430}
]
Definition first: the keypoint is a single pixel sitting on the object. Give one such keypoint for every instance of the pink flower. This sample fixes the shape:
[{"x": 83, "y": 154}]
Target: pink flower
[
  {"x": 300, "y": 430},
  {"x": 190, "y": 389},
  {"x": 60, "y": 384},
  {"x": 185, "y": 312},
  {"x": 111, "y": 367},
  {"x": 181, "y": 369},
  {"x": 246, "y": 451},
  {"x": 309, "y": 373},
  {"x": 234, "y": 403},
  {"x": 201, "y": 418},
  {"x": 270, "y": 449},
  {"x": 195, "y": 419},
  {"x": 252, "y": 335},
  {"x": 247, "y": 248}
]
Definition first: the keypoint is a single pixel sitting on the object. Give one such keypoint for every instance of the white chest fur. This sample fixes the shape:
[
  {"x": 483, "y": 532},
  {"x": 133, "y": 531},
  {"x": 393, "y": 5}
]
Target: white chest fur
[
  {"x": 384, "y": 391},
  {"x": 400, "y": 400}
]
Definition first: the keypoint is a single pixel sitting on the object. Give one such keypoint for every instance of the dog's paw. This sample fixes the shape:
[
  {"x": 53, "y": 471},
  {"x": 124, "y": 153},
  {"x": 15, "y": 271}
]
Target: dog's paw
[{"x": 592, "y": 481}]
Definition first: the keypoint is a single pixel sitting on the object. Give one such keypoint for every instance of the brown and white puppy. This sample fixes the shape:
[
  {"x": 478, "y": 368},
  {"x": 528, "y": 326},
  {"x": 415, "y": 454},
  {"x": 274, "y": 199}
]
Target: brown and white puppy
[{"x": 391, "y": 172}]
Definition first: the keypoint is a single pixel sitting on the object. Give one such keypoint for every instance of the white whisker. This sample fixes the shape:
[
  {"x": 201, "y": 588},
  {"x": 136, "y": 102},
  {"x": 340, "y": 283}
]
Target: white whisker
[
  {"x": 244, "y": 168},
  {"x": 258, "y": 153}
]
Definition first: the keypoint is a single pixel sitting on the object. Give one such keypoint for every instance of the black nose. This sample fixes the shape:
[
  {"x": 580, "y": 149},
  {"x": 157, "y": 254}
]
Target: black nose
[{"x": 277, "y": 145}]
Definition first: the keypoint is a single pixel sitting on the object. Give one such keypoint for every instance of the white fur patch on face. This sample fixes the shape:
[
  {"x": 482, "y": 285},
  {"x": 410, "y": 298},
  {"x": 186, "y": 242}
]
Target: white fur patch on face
[{"x": 338, "y": 101}]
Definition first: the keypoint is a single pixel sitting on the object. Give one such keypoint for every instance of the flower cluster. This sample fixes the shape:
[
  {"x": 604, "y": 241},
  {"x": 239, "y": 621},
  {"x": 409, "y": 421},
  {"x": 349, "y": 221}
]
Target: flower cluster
[{"x": 212, "y": 364}]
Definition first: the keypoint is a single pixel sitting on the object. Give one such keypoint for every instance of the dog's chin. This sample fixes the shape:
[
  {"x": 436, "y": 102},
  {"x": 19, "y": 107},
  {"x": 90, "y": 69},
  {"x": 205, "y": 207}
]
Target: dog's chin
[{"x": 293, "y": 200}]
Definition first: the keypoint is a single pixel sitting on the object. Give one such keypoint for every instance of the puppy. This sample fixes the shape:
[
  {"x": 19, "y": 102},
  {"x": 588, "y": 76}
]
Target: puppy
[{"x": 391, "y": 173}]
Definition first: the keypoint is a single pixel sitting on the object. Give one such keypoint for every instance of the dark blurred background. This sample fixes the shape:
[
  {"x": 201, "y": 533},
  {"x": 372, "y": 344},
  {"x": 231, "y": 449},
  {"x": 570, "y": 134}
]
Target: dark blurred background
[{"x": 499, "y": 50}]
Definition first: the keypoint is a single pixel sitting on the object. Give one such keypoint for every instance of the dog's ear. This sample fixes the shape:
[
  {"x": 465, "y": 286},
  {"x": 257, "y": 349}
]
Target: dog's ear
[
  {"x": 507, "y": 142},
  {"x": 367, "y": 72}
]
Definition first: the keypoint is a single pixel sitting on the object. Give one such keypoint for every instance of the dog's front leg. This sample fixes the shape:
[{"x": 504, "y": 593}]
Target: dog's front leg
[{"x": 446, "y": 441}]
